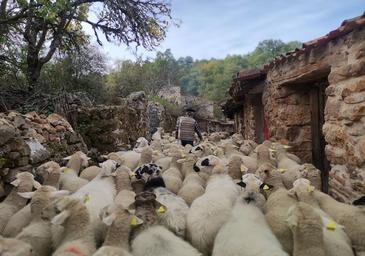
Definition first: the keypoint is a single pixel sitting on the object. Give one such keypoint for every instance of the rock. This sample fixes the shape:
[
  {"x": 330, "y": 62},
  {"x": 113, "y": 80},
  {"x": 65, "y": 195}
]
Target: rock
[
  {"x": 355, "y": 85},
  {"x": 7, "y": 131},
  {"x": 55, "y": 119},
  {"x": 19, "y": 121},
  {"x": 355, "y": 98}
]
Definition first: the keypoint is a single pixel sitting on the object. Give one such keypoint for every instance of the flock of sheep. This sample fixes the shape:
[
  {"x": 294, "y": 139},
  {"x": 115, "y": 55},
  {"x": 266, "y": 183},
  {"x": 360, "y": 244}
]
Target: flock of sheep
[{"x": 224, "y": 197}]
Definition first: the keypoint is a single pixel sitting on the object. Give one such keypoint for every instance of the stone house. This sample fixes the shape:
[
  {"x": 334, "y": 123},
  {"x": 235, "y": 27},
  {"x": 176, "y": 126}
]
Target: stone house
[{"x": 312, "y": 99}]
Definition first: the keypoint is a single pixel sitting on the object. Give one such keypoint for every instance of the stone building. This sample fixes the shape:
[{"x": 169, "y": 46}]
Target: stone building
[{"x": 313, "y": 99}]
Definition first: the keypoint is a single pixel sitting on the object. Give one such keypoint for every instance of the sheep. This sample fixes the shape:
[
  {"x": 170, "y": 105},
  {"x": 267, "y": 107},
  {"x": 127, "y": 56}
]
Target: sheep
[
  {"x": 152, "y": 239},
  {"x": 290, "y": 168},
  {"x": 90, "y": 172},
  {"x": 306, "y": 226},
  {"x": 175, "y": 216},
  {"x": 116, "y": 243},
  {"x": 131, "y": 159},
  {"x": 76, "y": 235},
  {"x": 336, "y": 242},
  {"x": 276, "y": 207},
  {"x": 247, "y": 147},
  {"x": 141, "y": 143},
  {"x": 157, "y": 135},
  {"x": 76, "y": 161},
  {"x": 18, "y": 221},
  {"x": 38, "y": 232},
  {"x": 192, "y": 188},
  {"x": 49, "y": 174},
  {"x": 70, "y": 181},
  {"x": 125, "y": 194},
  {"x": 146, "y": 155},
  {"x": 172, "y": 176},
  {"x": 14, "y": 247},
  {"x": 311, "y": 173},
  {"x": 24, "y": 182},
  {"x": 187, "y": 164},
  {"x": 349, "y": 216},
  {"x": 210, "y": 211},
  {"x": 234, "y": 167},
  {"x": 99, "y": 192},
  {"x": 247, "y": 217}
]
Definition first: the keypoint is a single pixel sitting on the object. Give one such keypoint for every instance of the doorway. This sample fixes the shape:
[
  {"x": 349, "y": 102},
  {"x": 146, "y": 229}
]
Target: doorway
[
  {"x": 259, "y": 117},
  {"x": 317, "y": 105}
]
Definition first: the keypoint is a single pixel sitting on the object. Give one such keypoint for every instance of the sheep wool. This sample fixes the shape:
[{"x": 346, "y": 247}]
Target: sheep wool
[
  {"x": 24, "y": 182},
  {"x": 15, "y": 247},
  {"x": 306, "y": 226}
]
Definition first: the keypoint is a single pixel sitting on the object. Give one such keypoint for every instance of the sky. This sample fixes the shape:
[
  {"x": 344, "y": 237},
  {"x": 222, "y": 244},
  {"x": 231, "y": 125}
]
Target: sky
[{"x": 216, "y": 28}]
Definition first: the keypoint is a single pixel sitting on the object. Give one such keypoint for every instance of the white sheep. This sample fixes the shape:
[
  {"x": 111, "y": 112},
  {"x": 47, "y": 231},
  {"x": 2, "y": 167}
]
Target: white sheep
[
  {"x": 99, "y": 192},
  {"x": 24, "y": 182},
  {"x": 49, "y": 174},
  {"x": 349, "y": 216},
  {"x": 210, "y": 211},
  {"x": 306, "y": 226},
  {"x": 18, "y": 221},
  {"x": 120, "y": 223},
  {"x": 336, "y": 242},
  {"x": 247, "y": 217},
  {"x": 38, "y": 232},
  {"x": 77, "y": 160},
  {"x": 152, "y": 239},
  {"x": 71, "y": 228},
  {"x": 70, "y": 180},
  {"x": 192, "y": 188},
  {"x": 276, "y": 207},
  {"x": 14, "y": 247},
  {"x": 158, "y": 134}
]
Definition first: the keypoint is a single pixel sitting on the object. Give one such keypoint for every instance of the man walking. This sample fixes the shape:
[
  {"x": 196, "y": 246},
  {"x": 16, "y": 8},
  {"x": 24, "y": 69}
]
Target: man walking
[{"x": 186, "y": 128}]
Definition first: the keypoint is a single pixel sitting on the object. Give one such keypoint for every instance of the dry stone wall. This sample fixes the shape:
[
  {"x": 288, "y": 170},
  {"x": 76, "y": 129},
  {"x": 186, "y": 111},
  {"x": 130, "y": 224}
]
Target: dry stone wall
[{"x": 28, "y": 140}]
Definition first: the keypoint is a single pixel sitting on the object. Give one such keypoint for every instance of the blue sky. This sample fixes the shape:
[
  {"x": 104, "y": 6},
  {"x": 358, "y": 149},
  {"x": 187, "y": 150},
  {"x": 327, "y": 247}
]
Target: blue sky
[{"x": 216, "y": 28}]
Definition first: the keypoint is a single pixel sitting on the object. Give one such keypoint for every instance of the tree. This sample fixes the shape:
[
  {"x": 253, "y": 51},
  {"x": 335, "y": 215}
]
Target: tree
[{"x": 47, "y": 26}]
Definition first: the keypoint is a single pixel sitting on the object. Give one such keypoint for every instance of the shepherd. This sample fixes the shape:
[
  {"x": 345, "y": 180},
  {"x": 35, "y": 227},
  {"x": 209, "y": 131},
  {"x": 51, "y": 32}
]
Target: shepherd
[{"x": 186, "y": 127}]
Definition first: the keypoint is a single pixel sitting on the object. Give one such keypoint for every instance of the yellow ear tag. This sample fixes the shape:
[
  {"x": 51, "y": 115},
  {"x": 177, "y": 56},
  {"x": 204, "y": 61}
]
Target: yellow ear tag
[
  {"x": 134, "y": 221},
  {"x": 310, "y": 189},
  {"x": 243, "y": 168},
  {"x": 282, "y": 170},
  {"x": 161, "y": 210},
  {"x": 132, "y": 174},
  {"x": 331, "y": 225},
  {"x": 66, "y": 170},
  {"x": 266, "y": 188},
  {"x": 86, "y": 198}
]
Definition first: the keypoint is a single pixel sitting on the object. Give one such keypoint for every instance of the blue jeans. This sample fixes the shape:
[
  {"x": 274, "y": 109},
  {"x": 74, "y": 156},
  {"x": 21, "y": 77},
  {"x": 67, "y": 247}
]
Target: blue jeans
[{"x": 184, "y": 142}]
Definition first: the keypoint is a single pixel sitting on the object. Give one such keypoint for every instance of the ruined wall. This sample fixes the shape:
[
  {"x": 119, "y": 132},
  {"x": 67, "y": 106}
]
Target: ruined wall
[
  {"x": 113, "y": 128},
  {"x": 288, "y": 115},
  {"x": 31, "y": 139}
]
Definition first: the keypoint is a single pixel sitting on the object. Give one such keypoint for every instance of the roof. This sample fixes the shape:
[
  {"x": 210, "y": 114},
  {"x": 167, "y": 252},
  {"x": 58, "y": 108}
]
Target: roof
[
  {"x": 250, "y": 74},
  {"x": 346, "y": 27}
]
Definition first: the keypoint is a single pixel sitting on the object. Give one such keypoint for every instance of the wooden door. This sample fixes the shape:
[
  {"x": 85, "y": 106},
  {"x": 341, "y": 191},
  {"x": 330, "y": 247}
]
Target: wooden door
[{"x": 317, "y": 102}]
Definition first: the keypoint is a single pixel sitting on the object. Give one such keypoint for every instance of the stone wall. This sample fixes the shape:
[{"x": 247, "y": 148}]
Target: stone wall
[
  {"x": 342, "y": 63},
  {"x": 113, "y": 128},
  {"x": 28, "y": 140}
]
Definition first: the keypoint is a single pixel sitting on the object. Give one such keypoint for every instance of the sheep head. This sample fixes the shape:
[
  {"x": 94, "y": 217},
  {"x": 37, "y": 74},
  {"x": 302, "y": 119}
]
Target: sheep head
[
  {"x": 141, "y": 143},
  {"x": 119, "y": 216},
  {"x": 206, "y": 164},
  {"x": 25, "y": 179},
  {"x": 251, "y": 187}
]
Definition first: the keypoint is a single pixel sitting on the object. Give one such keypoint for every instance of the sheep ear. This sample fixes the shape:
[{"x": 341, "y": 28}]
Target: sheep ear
[
  {"x": 15, "y": 182},
  {"x": 241, "y": 184},
  {"x": 60, "y": 193},
  {"x": 60, "y": 218},
  {"x": 109, "y": 220},
  {"x": 26, "y": 195},
  {"x": 36, "y": 184},
  {"x": 180, "y": 161},
  {"x": 67, "y": 158},
  {"x": 291, "y": 192}
]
